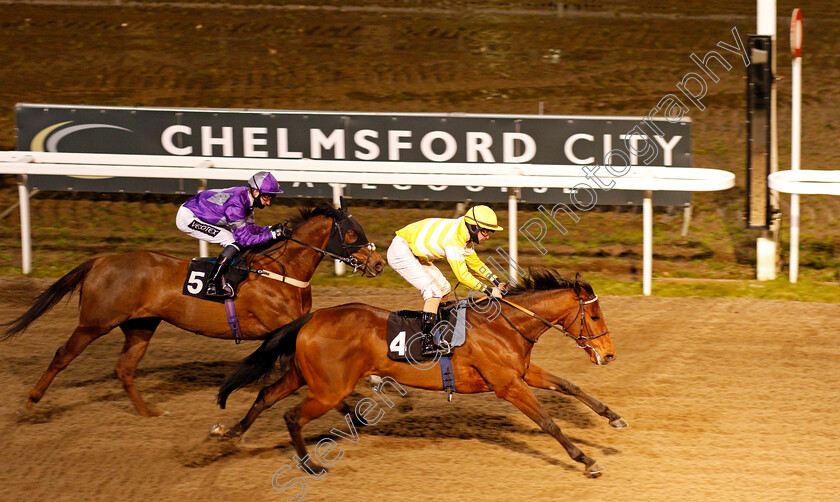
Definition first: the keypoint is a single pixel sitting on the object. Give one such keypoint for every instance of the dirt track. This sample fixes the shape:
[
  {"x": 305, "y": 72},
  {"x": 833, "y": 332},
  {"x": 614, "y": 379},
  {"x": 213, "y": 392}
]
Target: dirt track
[{"x": 726, "y": 399}]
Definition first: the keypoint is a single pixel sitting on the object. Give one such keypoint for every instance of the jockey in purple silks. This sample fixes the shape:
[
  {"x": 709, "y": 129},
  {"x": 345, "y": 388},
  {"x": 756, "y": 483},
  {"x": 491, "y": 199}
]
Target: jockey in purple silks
[{"x": 226, "y": 217}]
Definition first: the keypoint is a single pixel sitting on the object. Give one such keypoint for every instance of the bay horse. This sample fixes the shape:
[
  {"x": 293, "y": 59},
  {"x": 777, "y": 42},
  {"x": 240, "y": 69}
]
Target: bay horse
[
  {"x": 330, "y": 349},
  {"x": 138, "y": 290}
]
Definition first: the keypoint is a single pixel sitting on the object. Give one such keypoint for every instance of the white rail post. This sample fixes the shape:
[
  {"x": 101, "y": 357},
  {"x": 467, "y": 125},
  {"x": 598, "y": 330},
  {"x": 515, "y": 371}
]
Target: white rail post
[
  {"x": 25, "y": 223},
  {"x": 203, "y": 250},
  {"x": 795, "y": 135},
  {"x": 338, "y": 191},
  {"x": 513, "y": 226},
  {"x": 647, "y": 242}
]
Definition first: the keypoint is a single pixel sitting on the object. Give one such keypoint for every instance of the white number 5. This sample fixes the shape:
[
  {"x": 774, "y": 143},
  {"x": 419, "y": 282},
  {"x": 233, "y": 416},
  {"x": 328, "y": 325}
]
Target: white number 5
[{"x": 195, "y": 284}]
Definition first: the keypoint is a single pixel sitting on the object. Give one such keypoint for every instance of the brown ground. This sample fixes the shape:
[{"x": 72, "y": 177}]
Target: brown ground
[{"x": 726, "y": 399}]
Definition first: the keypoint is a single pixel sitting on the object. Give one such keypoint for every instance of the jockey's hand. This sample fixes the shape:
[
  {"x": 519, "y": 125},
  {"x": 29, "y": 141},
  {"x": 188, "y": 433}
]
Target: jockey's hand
[
  {"x": 502, "y": 286},
  {"x": 280, "y": 231},
  {"x": 495, "y": 292}
]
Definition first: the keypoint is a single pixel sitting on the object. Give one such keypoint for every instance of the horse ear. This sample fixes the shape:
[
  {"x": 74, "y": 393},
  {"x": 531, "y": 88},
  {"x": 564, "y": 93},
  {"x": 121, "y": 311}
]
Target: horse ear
[
  {"x": 578, "y": 285},
  {"x": 343, "y": 204},
  {"x": 335, "y": 213}
]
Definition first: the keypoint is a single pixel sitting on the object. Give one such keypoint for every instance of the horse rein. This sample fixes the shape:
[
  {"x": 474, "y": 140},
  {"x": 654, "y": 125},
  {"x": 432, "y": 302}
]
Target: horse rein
[
  {"x": 349, "y": 259},
  {"x": 582, "y": 339}
]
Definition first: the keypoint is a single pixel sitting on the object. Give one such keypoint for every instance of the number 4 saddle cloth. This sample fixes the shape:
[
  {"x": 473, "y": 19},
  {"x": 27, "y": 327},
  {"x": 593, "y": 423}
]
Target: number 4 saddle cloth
[
  {"x": 405, "y": 331},
  {"x": 199, "y": 270}
]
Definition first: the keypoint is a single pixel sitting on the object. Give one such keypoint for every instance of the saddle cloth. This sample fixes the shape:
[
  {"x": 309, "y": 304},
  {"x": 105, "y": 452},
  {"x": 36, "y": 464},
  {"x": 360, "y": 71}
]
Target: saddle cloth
[
  {"x": 405, "y": 330},
  {"x": 199, "y": 270}
]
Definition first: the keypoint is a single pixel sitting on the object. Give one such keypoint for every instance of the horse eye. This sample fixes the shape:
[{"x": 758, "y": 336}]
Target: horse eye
[
  {"x": 596, "y": 318},
  {"x": 351, "y": 236}
]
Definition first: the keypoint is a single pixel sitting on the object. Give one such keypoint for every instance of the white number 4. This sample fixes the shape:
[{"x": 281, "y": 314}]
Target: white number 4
[
  {"x": 195, "y": 284},
  {"x": 398, "y": 344}
]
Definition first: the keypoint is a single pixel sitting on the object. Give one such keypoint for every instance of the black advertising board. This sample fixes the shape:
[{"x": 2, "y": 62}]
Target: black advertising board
[{"x": 570, "y": 143}]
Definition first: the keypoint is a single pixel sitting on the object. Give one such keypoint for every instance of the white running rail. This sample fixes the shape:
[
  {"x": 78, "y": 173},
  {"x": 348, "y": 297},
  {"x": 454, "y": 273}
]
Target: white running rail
[{"x": 647, "y": 179}]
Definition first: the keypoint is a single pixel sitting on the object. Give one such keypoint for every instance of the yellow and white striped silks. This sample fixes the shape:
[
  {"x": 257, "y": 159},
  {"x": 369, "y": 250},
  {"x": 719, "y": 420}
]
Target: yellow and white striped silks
[{"x": 443, "y": 238}]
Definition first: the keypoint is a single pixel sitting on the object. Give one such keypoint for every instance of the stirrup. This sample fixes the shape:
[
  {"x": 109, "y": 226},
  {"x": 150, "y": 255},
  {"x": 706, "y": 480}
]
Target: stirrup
[
  {"x": 224, "y": 292},
  {"x": 430, "y": 349}
]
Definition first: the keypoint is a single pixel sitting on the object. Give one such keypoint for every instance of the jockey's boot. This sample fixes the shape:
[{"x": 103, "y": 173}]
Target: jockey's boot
[
  {"x": 214, "y": 282},
  {"x": 428, "y": 339}
]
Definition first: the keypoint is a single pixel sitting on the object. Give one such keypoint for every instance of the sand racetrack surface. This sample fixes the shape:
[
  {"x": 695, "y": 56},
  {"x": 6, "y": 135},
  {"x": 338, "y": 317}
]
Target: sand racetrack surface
[{"x": 726, "y": 400}]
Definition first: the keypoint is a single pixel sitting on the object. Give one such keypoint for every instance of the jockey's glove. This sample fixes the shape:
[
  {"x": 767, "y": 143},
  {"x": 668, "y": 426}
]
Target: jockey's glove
[
  {"x": 280, "y": 231},
  {"x": 503, "y": 286},
  {"x": 493, "y": 292}
]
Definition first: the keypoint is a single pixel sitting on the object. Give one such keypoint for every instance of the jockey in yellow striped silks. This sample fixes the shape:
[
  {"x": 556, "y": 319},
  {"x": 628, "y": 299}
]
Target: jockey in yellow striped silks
[{"x": 418, "y": 245}]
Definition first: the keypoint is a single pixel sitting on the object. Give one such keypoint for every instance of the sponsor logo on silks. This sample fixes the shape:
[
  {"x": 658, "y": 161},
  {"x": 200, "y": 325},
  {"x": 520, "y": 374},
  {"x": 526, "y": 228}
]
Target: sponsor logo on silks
[
  {"x": 204, "y": 228},
  {"x": 47, "y": 141}
]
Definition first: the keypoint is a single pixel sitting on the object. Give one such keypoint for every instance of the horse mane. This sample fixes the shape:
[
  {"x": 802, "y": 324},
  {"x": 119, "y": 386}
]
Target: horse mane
[
  {"x": 543, "y": 279},
  {"x": 309, "y": 212},
  {"x": 304, "y": 214}
]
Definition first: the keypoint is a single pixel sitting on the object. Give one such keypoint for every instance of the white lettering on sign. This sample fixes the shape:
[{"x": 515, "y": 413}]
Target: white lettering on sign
[{"x": 433, "y": 146}]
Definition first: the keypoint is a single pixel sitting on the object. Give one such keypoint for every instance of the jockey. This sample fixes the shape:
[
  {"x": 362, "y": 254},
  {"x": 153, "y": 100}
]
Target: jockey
[
  {"x": 419, "y": 244},
  {"x": 226, "y": 217}
]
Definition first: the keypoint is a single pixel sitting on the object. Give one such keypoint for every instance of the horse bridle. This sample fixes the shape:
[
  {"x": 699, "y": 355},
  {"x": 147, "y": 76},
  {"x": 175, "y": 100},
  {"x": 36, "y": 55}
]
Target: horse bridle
[
  {"x": 584, "y": 336},
  {"x": 347, "y": 250}
]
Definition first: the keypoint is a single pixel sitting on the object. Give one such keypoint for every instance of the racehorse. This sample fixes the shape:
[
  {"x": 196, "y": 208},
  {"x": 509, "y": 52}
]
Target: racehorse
[
  {"x": 137, "y": 290},
  {"x": 330, "y": 349}
]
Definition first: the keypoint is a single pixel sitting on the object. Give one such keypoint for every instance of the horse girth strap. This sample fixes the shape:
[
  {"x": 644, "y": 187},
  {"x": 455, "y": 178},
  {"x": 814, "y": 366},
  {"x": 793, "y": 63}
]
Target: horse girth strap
[{"x": 283, "y": 278}]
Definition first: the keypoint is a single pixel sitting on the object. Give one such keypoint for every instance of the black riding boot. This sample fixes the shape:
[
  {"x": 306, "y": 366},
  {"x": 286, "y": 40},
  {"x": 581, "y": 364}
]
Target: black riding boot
[
  {"x": 214, "y": 282},
  {"x": 428, "y": 339}
]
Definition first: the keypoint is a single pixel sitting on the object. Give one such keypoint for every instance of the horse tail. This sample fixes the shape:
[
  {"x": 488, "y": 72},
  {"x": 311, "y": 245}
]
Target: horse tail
[
  {"x": 278, "y": 343},
  {"x": 47, "y": 300}
]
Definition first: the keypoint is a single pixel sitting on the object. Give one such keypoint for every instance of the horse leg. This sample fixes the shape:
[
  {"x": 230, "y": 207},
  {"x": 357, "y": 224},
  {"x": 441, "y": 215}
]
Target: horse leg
[
  {"x": 347, "y": 410},
  {"x": 310, "y": 409},
  {"x": 542, "y": 379},
  {"x": 521, "y": 396},
  {"x": 290, "y": 382},
  {"x": 78, "y": 341},
  {"x": 138, "y": 332}
]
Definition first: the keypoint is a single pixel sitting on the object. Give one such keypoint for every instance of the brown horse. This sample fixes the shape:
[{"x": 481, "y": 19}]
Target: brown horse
[
  {"x": 330, "y": 349},
  {"x": 136, "y": 291}
]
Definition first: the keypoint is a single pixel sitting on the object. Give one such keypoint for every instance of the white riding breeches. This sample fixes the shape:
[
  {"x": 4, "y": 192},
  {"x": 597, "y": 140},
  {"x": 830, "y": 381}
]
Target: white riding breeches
[
  {"x": 425, "y": 277},
  {"x": 186, "y": 222}
]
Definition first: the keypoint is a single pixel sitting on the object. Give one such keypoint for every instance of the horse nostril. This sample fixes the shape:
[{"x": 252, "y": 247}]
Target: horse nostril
[{"x": 610, "y": 357}]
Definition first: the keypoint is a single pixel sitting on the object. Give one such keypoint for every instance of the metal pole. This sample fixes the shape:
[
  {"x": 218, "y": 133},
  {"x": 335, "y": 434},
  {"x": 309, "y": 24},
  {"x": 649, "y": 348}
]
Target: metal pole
[
  {"x": 513, "y": 227},
  {"x": 796, "y": 125},
  {"x": 647, "y": 242},
  {"x": 338, "y": 191},
  {"x": 25, "y": 225},
  {"x": 795, "y": 136},
  {"x": 766, "y": 244}
]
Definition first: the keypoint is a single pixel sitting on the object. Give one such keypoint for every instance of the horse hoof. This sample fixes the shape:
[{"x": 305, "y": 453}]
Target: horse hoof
[
  {"x": 219, "y": 430},
  {"x": 594, "y": 470},
  {"x": 22, "y": 412},
  {"x": 316, "y": 469},
  {"x": 619, "y": 423}
]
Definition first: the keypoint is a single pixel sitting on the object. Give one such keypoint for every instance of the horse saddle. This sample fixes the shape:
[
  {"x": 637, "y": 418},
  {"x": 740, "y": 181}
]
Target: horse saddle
[
  {"x": 405, "y": 330},
  {"x": 199, "y": 270}
]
